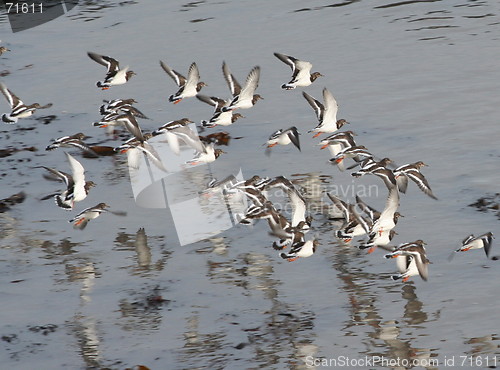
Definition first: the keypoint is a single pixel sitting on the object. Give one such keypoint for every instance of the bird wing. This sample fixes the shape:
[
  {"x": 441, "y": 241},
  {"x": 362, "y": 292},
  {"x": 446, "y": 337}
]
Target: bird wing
[
  {"x": 421, "y": 182},
  {"x": 76, "y": 169},
  {"x": 111, "y": 64},
  {"x": 233, "y": 84},
  {"x": 152, "y": 155},
  {"x": 391, "y": 206},
  {"x": 365, "y": 224},
  {"x": 293, "y": 135},
  {"x": 468, "y": 239},
  {"x": 402, "y": 181},
  {"x": 206, "y": 99},
  {"x": 342, "y": 206},
  {"x": 422, "y": 265},
  {"x": 290, "y": 61},
  {"x": 179, "y": 79},
  {"x": 369, "y": 211},
  {"x": 392, "y": 202},
  {"x": 65, "y": 177},
  {"x": 299, "y": 207},
  {"x": 251, "y": 84},
  {"x": 387, "y": 176},
  {"x": 302, "y": 71},
  {"x": 190, "y": 137},
  {"x": 78, "y": 177},
  {"x": 315, "y": 104},
  {"x": 133, "y": 110},
  {"x": 173, "y": 142},
  {"x": 193, "y": 75},
  {"x": 214, "y": 101},
  {"x": 13, "y": 100},
  {"x": 330, "y": 106},
  {"x": 487, "y": 240},
  {"x": 131, "y": 125},
  {"x": 134, "y": 158}
]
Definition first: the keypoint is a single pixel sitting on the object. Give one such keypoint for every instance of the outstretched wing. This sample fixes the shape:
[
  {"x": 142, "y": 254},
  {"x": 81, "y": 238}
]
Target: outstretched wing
[
  {"x": 234, "y": 85},
  {"x": 111, "y": 64},
  {"x": 179, "y": 79},
  {"x": 13, "y": 100},
  {"x": 315, "y": 104}
]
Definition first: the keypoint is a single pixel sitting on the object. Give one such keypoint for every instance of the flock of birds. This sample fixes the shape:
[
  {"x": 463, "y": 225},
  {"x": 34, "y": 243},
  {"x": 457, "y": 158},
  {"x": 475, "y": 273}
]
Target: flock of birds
[{"x": 357, "y": 218}]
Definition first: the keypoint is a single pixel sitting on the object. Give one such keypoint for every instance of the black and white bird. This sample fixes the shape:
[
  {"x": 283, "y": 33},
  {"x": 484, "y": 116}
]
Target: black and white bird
[
  {"x": 77, "y": 188},
  {"x": 246, "y": 98},
  {"x": 235, "y": 86},
  {"x": 389, "y": 216},
  {"x": 219, "y": 117},
  {"x": 302, "y": 249},
  {"x": 375, "y": 239},
  {"x": 341, "y": 140},
  {"x": 284, "y": 137},
  {"x": 301, "y": 72},
  {"x": 134, "y": 148},
  {"x": 369, "y": 165},
  {"x": 342, "y": 211},
  {"x": 337, "y": 142},
  {"x": 326, "y": 113},
  {"x": 297, "y": 201},
  {"x": 177, "y": 130},
  {"x": 126, "y": 120},
  {"x": 208, "y": 155},
  {"x": 411, "y": 259},
  {"x": 253, "y": 189},
  {"x": 81, "y": 220},
  {"x": 386, "y": 175},
  {"x": 357, "y": 225},
  {"x": 18, "y": 108},
  {"x": 412, "y": 171},
  {"x": 75, "y": 141},
  {"x": 471, "y": 242},
  {"x": 118, "y": 106},
  {"x": 188, "y": 87},
  {"x": 378, "y": 240},
  {"x": 358, "y": 153},
  {"x": 114, "y": 75}
]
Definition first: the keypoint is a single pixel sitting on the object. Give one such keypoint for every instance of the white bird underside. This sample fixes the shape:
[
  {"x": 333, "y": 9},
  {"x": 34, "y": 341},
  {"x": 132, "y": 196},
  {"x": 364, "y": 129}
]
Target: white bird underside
[{"x": 386, "y": 220}]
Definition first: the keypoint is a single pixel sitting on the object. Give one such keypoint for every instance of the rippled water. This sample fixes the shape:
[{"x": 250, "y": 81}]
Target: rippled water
[{"x": 417, "y": 80}]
